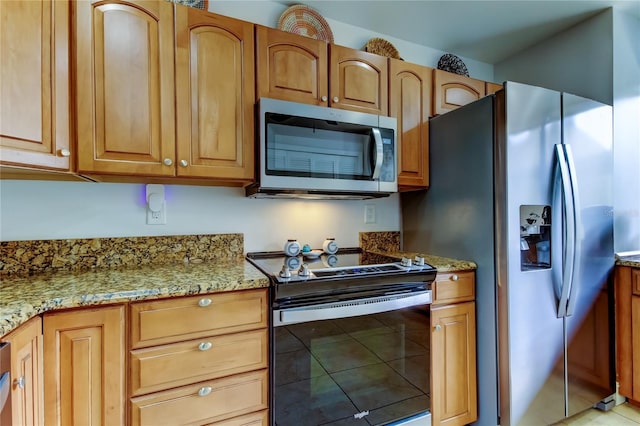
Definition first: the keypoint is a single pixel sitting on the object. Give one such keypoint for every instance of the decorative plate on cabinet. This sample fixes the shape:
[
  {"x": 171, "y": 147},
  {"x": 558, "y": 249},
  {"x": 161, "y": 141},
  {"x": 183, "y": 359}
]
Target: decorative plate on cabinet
[
  {"x": 303, "y": 20},
  {"x": 382, "y": 47}
]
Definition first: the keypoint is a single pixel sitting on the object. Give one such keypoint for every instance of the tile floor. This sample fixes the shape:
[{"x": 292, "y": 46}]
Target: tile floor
[{"x": 621, "y": 415}]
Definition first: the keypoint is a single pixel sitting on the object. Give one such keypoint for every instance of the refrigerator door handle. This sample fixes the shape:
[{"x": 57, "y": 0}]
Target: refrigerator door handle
[
  {"x": 577, "y": 225},
  {"x": 568, "y": 230}
]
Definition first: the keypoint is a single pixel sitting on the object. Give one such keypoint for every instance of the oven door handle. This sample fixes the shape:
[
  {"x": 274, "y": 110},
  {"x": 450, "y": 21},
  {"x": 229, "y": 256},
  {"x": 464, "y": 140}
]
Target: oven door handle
[{"x": 350, "y": 308}]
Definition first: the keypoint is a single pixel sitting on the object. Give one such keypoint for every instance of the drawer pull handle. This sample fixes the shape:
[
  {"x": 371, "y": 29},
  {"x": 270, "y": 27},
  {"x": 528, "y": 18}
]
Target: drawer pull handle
[
  {"x": 455, "y": 277},
  {"x": 438, "y": 327},
  {"x": 204, "y": 391},
  {"x": 205, "y": 346},
  {"x": 204, "y": 302}
]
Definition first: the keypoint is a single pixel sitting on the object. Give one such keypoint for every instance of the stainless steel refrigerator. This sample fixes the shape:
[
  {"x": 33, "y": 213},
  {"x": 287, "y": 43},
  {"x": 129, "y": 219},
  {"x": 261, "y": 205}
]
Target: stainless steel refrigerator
[{"x": 521, "y": 183}]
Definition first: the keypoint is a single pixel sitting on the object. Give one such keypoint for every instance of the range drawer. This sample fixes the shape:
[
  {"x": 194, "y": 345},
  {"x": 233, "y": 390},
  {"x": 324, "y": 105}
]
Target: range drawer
[
  {"x": 453, "y": 287},
  {"x": 205, "y": 402},
  {"x": 178, "y": 364},
  {"x": 184, "y": 318}
]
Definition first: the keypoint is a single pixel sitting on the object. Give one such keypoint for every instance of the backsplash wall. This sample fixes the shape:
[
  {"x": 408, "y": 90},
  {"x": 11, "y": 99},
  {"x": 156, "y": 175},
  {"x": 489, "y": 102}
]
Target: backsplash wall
[{"x": 44, "y": 210}]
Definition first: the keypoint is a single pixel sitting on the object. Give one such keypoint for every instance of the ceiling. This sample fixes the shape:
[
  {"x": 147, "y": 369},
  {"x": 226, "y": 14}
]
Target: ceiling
[{"x": 487, "y": 31}]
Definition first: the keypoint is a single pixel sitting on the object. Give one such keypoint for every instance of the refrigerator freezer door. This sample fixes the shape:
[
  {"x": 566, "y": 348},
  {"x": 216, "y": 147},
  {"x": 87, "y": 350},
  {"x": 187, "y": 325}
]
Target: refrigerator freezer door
[
  {"x": 531, "y": 336},
  {"x": 587, "y": 129}
]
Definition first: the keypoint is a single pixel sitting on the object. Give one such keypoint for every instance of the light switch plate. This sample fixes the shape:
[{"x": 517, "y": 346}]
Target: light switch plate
[{"x": 369, "y": 213}]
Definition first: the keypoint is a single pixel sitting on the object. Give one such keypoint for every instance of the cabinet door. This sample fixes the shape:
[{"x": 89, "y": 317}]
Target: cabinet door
[
  {"x": 34, "y": 84},
  {"x": 624, "y": 329},
  {"x": 214, "y": 95},
  {"x": 359, "y": 81},
  {"x": 491, "y": 87},
  {"x": 410, "y": 102},
  {"x": 26, "y": 372},
  {"x": 291, "y": 67},
  {"x": 125, "y": 88},
  {"x": 452, "y": 91},
  {"x": 84, "y": 367},
  {"x": 453, "y": 364}
]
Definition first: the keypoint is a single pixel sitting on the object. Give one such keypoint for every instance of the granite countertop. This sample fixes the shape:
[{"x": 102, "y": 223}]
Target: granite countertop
[
  {"x": 21, "y": 298},
  {"x": 630, "y": 258},
  {"x": 442, "y": 264},
  {"x": 24, "y": 297}
]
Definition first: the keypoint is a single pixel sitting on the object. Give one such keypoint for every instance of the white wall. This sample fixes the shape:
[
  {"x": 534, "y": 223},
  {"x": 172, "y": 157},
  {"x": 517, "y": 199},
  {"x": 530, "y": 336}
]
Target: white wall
[
  {"x": 33, "y": 210},
  {"x": 577, "y": 61},
  {"x": 266, "y": 12},
  {"x": 599, "y": 59},
  {"x": 626, "y": 131}
]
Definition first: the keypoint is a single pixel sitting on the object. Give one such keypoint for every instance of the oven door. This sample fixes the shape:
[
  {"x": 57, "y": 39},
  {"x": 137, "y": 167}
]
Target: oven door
[{"x": 360, "y": 361}]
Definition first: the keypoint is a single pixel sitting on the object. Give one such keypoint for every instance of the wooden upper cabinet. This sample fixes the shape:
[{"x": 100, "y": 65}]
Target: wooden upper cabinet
[
  {"x": 453, "y": 90},
  {"x": 301, "y": 69},
  {"x": 410, "y": 101},
  {"x": 490, "y": 88},
  {"x": 291, "y": 67},
  {"x": 359, "y": 81},
  {"x": 84, "y": 367},
  {"x": 34, "y": 84},
  {"x": 125, "y": 87},
  {"x": 214, "y": 95}
]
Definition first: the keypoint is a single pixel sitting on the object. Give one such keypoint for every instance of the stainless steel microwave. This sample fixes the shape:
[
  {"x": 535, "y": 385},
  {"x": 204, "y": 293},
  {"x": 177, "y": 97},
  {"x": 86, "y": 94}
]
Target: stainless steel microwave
[{"x": 310, "y": 151}]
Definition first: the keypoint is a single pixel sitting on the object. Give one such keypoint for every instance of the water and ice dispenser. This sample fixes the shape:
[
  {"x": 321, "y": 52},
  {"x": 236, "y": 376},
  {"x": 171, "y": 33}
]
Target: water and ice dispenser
[{"x": 535, "y": 237}]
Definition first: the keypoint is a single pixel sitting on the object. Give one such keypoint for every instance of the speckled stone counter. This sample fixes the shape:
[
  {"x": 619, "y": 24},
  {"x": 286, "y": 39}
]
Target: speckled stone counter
[
  {"x": 388, "y": 242},
  {"x": 41, "y": 276},
  {"x": 24, "y": 297},
  {"x": 632, "y": 260}
]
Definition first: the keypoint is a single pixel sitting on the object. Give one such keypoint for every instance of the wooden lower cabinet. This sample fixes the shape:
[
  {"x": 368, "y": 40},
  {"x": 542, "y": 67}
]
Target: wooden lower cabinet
[
  {"x": 454, "y": 399},
  {"x": 203, "y": 402},
  {"x": 26, "y": 373},
  {"x": 200, "y": 360},
  {"x": 84, "y": 367},
  {"x": 627, "y": 320}
]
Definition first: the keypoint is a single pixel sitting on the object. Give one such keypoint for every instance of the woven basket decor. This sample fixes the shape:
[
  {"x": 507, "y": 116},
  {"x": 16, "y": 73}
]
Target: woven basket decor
[
  {"x": 303, "y": 20},
  {"x": 382, "y": 47},
  {"x": 452, "y": 63},
  {"x": 198, "y": 4}
]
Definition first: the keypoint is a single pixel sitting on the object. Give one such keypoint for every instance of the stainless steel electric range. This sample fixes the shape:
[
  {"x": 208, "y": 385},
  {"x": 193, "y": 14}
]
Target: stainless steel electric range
[{"x": 349, "y": 338}]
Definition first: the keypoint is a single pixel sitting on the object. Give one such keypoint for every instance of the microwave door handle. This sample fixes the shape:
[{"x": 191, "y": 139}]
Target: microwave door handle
[{"x": 377, "y": 137}]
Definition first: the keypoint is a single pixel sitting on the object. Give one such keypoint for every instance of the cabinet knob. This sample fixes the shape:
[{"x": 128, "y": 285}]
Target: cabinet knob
[
  {"x": 335, "y": 99},
  {"x": 438, "y": 327},
  {"x": 19, "y": 382},
  {"x": 65, "y": 152},
  {"x": 324, "y": 98},
  {"x": 168, "y": 161},
  {"x": 204, "y": 391},
  {"x": 184, "y": 163},
  {"x": 454, "y": 277},
  {"x": 205, "y": 346},
  {"x": 204, "y": 302}
]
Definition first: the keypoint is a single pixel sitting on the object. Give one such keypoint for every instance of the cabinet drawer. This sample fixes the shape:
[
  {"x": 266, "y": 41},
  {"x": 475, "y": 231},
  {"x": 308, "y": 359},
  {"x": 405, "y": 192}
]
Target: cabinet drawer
[
  {"x": 635, "y": 281},
  {"x": 204, "y": 402},
  {"x": 261, "y": 418},
  {"x": 178, "y": 364},
  {"x": 453, "y": 287},
  {"x": 178, "y": 319}
]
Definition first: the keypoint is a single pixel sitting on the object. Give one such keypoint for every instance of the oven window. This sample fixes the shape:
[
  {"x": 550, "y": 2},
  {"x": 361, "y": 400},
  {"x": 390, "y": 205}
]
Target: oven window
[{"x": 368, "y": 370}]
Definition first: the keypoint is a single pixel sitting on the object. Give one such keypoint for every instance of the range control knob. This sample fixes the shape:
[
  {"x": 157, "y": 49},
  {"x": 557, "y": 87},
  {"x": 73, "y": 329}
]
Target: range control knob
[
  {"x": 406, "y": 262},
  {"x": 418, "y": 261},
  {"x": 304, "y": 270},
  {"x": 285, "y": 272}
]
